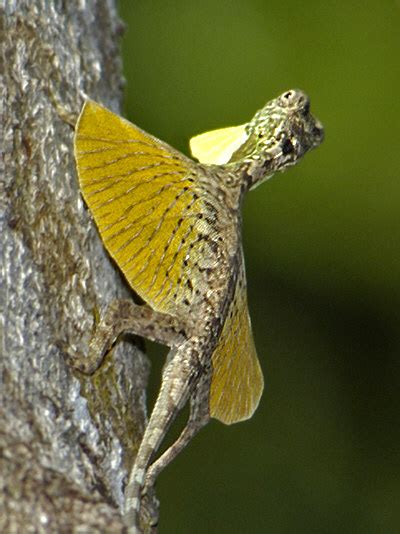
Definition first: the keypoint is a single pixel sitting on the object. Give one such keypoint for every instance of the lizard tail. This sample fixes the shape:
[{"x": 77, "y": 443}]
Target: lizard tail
[{"x": 179, "y": 378}]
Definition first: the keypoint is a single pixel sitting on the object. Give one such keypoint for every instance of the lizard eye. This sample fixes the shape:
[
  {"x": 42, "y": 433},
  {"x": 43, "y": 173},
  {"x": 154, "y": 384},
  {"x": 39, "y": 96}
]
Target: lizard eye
[
  {"x": 306, "y": 109},
  {"x": 287, "y": 147}
]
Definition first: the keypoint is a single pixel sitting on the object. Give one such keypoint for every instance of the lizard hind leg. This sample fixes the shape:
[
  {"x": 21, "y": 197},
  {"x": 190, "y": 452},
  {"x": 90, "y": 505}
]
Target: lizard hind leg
[
  {"x": 199, "y": 417},
  {"x": 123, "y": 316},
  {"x": 180, "y": 376}
]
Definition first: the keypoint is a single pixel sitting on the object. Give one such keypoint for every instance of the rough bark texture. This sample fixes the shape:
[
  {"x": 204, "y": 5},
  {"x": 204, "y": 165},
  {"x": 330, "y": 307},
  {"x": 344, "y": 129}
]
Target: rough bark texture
[{"x": 66, "y": 441}]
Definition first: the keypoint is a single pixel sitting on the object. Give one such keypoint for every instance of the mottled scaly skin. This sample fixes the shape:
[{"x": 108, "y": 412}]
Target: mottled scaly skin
[{"x": 202, "y": 312}]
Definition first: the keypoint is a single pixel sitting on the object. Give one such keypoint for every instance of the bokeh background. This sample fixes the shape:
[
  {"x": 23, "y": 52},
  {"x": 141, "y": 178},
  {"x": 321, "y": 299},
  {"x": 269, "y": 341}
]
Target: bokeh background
[{"x": 321, "y": 454}]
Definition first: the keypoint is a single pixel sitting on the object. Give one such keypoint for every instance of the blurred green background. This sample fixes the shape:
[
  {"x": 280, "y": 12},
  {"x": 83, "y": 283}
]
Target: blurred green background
[{"x": 321, "y": 454}]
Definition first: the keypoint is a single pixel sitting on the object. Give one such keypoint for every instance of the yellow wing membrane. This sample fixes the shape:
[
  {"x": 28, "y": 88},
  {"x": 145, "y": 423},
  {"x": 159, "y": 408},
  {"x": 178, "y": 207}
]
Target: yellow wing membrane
[
  {"x": 237, "y": 381},
  {"x": 141, "y": 194},
  {"x": 217, "y": 146}
]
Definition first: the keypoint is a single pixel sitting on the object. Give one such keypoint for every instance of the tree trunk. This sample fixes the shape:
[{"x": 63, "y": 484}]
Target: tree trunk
[{"x": 66, "y": 441}]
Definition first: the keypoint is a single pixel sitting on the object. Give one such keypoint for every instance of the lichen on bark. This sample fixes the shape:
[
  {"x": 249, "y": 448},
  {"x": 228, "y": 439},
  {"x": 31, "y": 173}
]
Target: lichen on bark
[{"x": 66, "y": 441}]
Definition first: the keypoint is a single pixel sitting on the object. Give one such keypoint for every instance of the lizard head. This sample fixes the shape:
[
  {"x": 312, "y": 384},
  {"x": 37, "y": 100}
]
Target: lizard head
[{"x": 278, "y": 136}]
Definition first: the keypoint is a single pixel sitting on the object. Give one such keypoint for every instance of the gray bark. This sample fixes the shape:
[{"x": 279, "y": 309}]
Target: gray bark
[{"x": 66, "y": 441}]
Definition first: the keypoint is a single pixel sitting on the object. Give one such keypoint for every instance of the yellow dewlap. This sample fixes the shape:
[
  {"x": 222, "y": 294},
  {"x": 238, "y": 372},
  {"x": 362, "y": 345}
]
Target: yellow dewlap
[{"x": 217, "y": 146}]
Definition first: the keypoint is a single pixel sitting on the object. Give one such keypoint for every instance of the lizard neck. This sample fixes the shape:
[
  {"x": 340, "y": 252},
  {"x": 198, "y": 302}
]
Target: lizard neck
[{"x": 249, "y": 174}]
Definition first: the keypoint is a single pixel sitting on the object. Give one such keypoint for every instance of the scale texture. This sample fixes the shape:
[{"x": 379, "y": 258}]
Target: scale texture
[{"x": 173, "y": 226}]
